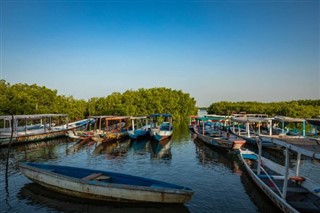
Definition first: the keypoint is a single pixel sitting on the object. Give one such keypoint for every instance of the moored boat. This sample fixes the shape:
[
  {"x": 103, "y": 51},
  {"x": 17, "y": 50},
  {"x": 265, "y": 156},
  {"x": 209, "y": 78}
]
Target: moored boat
[
  {"x": 103, "y": 185},
  {"x": 116, "y": 128},
  {"x": 140, "y": 127},
  {"x": 47, "y": 131},
  {"x": 287, "y": 189},
  {"x": 216, "y": 137},
  {"x": 161, "y": 126}
]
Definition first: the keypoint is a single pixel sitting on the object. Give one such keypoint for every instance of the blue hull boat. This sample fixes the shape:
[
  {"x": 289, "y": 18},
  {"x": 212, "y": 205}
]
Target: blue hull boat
[{"x": 103, "y": 185}]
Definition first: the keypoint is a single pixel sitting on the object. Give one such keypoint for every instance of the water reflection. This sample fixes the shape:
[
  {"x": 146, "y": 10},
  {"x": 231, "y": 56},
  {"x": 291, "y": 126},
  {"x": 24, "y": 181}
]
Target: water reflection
[
  {"x": 161, "y": 150},
  {"x": 76, "y": 147},
  {"x": 116, "y": 148},
  {"x": 141, "y": 147},
  {"x": 208, "y": 155},
  {"x": 43, "y": 150},
  {"x": 40, "y": 197}
]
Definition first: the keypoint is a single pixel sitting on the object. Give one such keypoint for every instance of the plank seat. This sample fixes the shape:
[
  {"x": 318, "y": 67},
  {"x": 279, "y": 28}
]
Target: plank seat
[
  {"x": 304, "y": 206},
  {"x": 297, "y": 190},
  {"x": 92, "y": 176},
  {"x": 293, "y": 189}
]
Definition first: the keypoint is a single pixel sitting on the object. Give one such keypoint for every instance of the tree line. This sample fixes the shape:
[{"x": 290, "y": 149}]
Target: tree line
[
  {"x": 33, "y": 99},
  {"x": 295, "y": 109}
]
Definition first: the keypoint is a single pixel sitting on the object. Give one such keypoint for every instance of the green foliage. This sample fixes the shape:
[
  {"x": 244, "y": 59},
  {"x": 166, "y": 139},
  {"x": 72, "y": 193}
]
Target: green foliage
[
  {"x": 33, "y": 99},
  {"x": 26, "y": 99},
  {"x": 296, "y": 109},
  {"x": 144, "y": 102}
]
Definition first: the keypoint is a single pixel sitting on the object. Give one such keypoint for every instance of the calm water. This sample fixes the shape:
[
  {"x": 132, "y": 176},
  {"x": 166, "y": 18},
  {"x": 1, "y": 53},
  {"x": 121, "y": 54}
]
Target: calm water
[{"x": 216, "y": 178}]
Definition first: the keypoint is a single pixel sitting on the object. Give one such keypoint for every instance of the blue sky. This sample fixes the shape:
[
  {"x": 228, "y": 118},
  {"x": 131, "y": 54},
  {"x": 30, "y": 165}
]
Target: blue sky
[{"x": 213, "y": 50}]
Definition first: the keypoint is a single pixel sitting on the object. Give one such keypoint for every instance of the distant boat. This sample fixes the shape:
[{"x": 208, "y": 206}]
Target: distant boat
[
  {"x": 103, "y": 185},
  {"x": 140, "y": 127},
  {"x": 216, "y": 137},
  {"x": 247, "y": 134},
  {"x": 161, "y": 126},
  {"x": 116, "y": 128},
  {"x": 44, "y": 132},
  {"x": 287, "y": 189}
]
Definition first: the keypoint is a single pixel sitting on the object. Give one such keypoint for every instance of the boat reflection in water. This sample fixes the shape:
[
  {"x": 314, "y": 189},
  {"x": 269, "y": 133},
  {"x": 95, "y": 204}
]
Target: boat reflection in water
[
  {"x": 208, "y": 155},
  {"x": 33, "y": 151},
  {"x": 116, "y": 148},
  {"x": 141, "y": 147},
  {"x": 156, "y": 149},
  {"x": 161, "y": 149},
  {"x": 39, "y": 197}
]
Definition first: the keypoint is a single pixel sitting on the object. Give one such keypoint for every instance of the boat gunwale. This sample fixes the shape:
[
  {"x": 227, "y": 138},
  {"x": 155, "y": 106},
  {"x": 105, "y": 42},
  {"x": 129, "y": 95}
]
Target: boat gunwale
[{"x": 265, "y": 188}]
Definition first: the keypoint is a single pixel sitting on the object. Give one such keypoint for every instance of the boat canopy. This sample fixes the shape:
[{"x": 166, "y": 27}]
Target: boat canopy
[
  {"x": 138, "y": 117},
  {"x": 251, "y": 119},
  {"x": 289, "y": 119},
  {"x": 29, "y": 117},
  {"x": 205, "y": 119},
  {"x": 313, "y": 121}
]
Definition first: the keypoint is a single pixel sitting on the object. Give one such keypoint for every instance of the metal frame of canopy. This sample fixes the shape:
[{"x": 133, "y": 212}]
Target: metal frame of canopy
[{"x": 42, "y": 117}]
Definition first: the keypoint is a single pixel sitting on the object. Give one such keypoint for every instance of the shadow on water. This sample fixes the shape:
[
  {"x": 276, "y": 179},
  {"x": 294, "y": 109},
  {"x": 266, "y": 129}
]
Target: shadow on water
[
  {"x": 38, "y": 196},
  {"x": 264, "y": 204},
  {"x": 208, "y": 155}
]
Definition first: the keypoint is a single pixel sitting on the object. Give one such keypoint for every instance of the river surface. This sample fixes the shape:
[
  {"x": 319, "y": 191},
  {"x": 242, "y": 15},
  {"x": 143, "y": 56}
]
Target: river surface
[{"x": 216, "y": 177}]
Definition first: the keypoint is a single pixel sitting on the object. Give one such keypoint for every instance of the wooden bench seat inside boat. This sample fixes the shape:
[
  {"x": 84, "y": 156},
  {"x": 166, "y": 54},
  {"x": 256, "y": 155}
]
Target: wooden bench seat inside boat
[
  {"x": 304, "y": 206},
  {"x": 293, "y": 189},
  {"x": 96, "y": 176}
]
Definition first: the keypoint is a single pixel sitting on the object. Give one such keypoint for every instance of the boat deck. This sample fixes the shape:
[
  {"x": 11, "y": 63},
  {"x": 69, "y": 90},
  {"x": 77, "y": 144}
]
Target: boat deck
[{"x": 307, "y": 146}]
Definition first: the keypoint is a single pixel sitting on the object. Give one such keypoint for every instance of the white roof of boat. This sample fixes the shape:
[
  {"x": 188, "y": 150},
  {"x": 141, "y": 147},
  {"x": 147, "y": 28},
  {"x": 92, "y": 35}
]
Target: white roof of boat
[
  {"x": 35, "y": 116},
  {"x": 306, "y": 146},
  {"x": 289, "y": 119},
  {"x": 101, "y": 116},
  {"x": 138, "y": 117},
  {"x": 251, "y": 119}
]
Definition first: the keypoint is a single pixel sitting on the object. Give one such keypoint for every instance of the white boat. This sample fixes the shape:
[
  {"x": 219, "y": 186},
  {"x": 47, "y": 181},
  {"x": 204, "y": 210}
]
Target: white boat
[
  {"x": 48, "y": 131},
  {"x": 251, "y": 136},
  {"x": 287, "y": 189},
  {"x": 163, "y": 130}
]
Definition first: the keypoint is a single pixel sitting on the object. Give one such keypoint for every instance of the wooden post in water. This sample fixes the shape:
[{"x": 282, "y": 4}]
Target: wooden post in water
[
  {"x": 25, "y": 125},
  {"x": 270, "y": 128},
  {"x": 260, "y": 153},
  {"x": 298, "y": 164},
  {"x": 286, "y": 174},
  {"x": 45, "y": 124},
  {"x": 202, "y": 128}
]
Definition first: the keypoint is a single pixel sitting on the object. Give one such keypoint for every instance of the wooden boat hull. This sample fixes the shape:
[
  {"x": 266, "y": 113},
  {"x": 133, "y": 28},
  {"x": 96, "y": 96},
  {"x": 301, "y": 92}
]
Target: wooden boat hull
[
  {"x": 98, "y": 190},
  {"x": 220, "y": 142}
]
